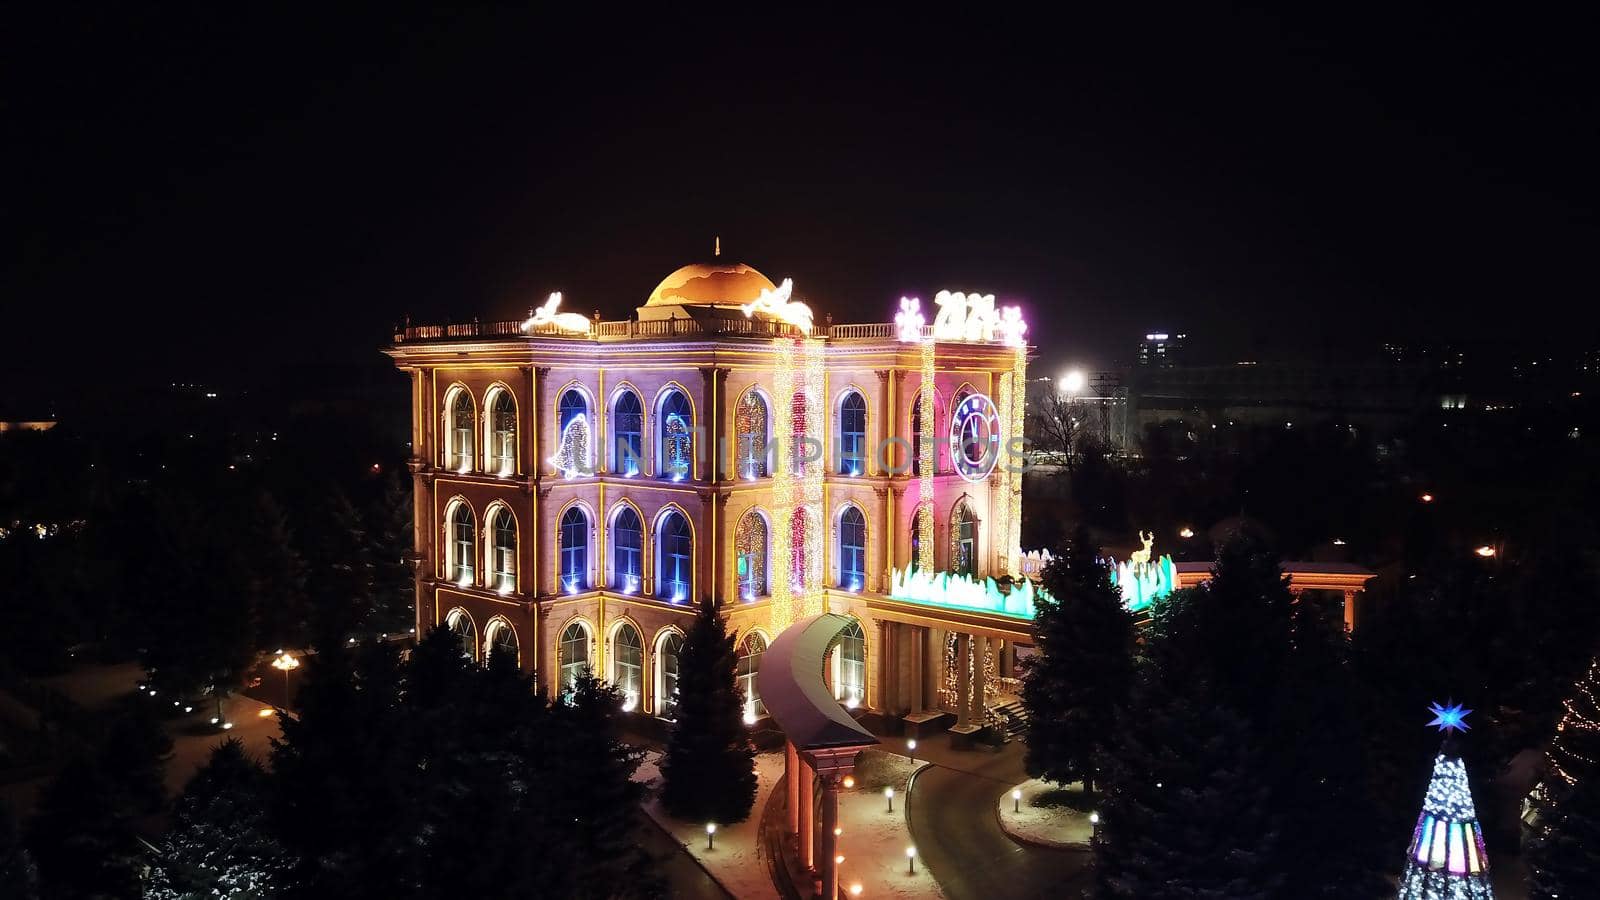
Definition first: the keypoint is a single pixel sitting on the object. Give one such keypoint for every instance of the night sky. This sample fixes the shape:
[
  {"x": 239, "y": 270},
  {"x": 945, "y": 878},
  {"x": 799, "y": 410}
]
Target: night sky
[{"x": 210, "y": 194}]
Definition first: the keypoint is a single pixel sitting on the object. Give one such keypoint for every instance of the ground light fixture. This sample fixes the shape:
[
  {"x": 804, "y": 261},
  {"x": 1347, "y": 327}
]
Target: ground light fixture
[
  {"x": 911, "y": 750},
  {"x": 911, "y": 860},
  {"x": 839, "y": 860},
  {"x": 1016, "y": 800},
  {"x": 1094, "y": 818},
  {"x": 711, "y": 835},
  {"x": 265, "y": 712},
  {"x": 888, "y": 794},
  {"x": 849, "y": 781},
  {"x": 838, "y": 831},
  {"x": 855, "y": 889}
]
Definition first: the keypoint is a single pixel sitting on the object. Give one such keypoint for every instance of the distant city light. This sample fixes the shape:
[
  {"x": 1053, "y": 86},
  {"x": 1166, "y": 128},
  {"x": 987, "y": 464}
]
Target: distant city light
[
  {"x": 1426, "y": 498},
  {"x": 1485, "y": 551},
  {"x": 1186, "y": 532}
]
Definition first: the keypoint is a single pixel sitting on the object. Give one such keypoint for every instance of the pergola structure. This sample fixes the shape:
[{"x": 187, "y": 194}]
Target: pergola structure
[
  {"x": 821, "y": 740},
  {"x": 1347, "y": 579}
]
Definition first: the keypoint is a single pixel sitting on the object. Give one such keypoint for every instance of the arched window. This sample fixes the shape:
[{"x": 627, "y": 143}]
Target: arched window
[
  {"x": 572, "y": 655},
  {"x": 750, "y": 548},
  {"x": 458, "y": 455},
  {"x": 850, "y": 666},
  {"x": 572, "y": 440},
  {"x": 852, "y": 549},
  {"x": 667, "y": 652},
  {"x": 627, "y": 550},
  {"x": 963, "y": 540},
  {"x": 502, "y": 639},
  {"x": 463, "y": 546},
  {"x": 627, "y": 665},
  {"x": 677, "y": 442},
  {"x": 627, "y": 434},
  {"x": 460, "y": 625},
  {"x": 750, "y": 435},
  {"x": 750, "y": 650},
  {"x": 574, "y": 550},
  {"x": 503, "y": 551},
  {"x": 503, "y": 434},
  {"x": 675, "y": 559},
  {"x": 853, "y": 434}
]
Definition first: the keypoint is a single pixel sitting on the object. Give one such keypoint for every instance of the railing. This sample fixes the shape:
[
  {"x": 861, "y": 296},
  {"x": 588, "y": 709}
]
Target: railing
[
  {"x": 861, "y": 332},
  {"x": 623, "y": 330}
]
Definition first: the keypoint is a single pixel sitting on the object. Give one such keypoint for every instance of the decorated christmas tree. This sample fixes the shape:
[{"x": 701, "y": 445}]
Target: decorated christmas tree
[
  {"x": 1447, "y": 859},
  {"x": 1577, "y": 742}
]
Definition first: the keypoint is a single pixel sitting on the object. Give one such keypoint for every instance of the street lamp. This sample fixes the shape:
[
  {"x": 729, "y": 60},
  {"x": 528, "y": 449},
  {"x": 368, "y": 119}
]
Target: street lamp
[
  {"x": 911, "y": 748},
  {"x": 711, "y": 835},
  {"x": 849, "y": 782},
  {"x": 1186, "y": 532},
  {"x": 1485, "y": 551},
  {"x": 1426, "y": 498},
  {"x": 1072, "y": 383},
  {"x": 285, "y": 664},
  {"x": 1016, "y": 800},
  {"x": 911, "y": 860},
  {"x": 888, "y": 794}
]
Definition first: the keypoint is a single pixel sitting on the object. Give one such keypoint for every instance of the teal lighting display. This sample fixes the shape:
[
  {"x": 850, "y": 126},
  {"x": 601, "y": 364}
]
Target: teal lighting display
[
  {"x": 1143, "y": 583},
  {"x": 964, "y": 592}
]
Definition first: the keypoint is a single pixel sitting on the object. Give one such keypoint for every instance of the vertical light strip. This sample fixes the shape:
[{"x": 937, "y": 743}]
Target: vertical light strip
[
  {"x": 925, "y": 461},
  {"x": 1019, "y": 392},
  {"x": 811, "y": 487},
  {"x": 782, "y": 608},
  {"x": 1000, "y": 484}
]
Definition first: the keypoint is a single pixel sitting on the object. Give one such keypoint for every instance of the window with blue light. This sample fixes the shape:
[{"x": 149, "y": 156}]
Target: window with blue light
[
  {"x": 677, "y": 442},
  {"x": 627, "y": 434},
  {"x": 676, "y": 563},
  {"x": 627, "y": 550},
  {"x": 574, "y": 550},
  {"x": 853, "y": 434},
  {"x": 852, "y": 549},
  {"x": 572, "y": 405}
]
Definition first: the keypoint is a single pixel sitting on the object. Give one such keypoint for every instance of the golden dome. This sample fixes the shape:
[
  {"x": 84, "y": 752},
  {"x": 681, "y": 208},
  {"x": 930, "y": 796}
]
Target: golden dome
[{"x": 702, "y": 284}]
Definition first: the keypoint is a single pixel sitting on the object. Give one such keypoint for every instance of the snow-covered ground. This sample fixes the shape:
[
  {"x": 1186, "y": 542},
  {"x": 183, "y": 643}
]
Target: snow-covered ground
[
  {"x": 1051, "y": 826},
  {"x": 737, "y": 861},
  {"x": 874, "y": 840}
]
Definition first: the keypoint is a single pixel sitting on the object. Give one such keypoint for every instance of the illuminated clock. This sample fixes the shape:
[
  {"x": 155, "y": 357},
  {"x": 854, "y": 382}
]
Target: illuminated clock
[{"x": 975, "y": 437}]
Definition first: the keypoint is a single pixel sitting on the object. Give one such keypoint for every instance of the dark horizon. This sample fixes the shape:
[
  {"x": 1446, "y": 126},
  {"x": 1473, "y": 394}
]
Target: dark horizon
[{"x": 232, "y": 196}]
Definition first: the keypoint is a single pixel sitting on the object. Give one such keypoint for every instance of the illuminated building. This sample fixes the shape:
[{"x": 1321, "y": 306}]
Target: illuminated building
[{"x": 570, "y": 508}]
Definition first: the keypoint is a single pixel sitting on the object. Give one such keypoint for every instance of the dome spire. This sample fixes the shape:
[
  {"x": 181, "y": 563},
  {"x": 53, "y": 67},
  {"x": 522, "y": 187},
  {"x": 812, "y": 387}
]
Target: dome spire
[{"x": 716, "y": 245}]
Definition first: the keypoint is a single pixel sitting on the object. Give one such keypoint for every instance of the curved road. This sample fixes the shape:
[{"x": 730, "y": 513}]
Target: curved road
[{"x": 959, "y": 840}]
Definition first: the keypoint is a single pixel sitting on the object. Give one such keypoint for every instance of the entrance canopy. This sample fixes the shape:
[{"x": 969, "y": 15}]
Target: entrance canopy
[{"x": 791, "y": 685}]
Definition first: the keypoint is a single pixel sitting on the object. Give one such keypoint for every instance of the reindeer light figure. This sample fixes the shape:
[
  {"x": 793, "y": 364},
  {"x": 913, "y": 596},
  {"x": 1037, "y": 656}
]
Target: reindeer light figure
[
  {"x": 576, "y": 323},
  {"x": 1142, "y": 557},
  {"x": 776, "y": 303}
]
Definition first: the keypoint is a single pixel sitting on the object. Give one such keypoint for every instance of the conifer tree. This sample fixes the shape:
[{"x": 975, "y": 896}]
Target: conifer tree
[
  {"x": 1574, "y": 753},
  {"x": 1083, "y": 671},
  {"x": 17, "y": 872},
  {"x": 1564, "y": 858},
  {"x": 394, "y": 591},
  {"x": 218, "y": 845},
  {"x": 274, "y": 575},
  {"x": 82, "y": 838},
  {"x": 708, "y": 773},
  {"x": 1185, "y": 814},
  {"x": 593, "y": 795}
]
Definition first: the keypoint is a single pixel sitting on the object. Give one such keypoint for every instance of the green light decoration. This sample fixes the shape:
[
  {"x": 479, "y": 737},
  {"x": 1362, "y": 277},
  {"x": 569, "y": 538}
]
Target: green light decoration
[
  {"x": 964, "y": 592},
  {"x": 1143, "y": 583}
]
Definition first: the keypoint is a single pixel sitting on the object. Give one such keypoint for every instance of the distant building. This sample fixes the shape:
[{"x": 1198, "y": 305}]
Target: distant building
[{"x": 1161, "y": 349}]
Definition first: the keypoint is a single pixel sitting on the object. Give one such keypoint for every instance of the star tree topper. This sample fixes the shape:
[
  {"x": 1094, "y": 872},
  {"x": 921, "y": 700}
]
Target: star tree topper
[{"x": 1449, "y": 717}]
